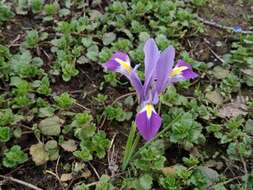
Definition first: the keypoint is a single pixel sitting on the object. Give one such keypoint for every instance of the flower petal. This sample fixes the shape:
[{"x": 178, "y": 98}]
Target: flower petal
[
  {"x": 148, "y": 126},
  {"x": 136, "y": 83},
  {"x": 182, "y": 71},
  {"x": 164, "y": 66},
  {"x": 111, "y": 65},
  {"x": 119, "y": 62},
  {"x": 151, "y": 57}
]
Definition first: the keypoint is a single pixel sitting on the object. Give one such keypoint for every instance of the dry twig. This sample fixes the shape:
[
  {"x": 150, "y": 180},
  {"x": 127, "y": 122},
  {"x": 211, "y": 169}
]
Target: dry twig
[
  {"x": 31, "y": 186},
  {"x": 213, "y": 52},
  {"x": 229, "y": 28},
  {"x": 94, "y": 169}
]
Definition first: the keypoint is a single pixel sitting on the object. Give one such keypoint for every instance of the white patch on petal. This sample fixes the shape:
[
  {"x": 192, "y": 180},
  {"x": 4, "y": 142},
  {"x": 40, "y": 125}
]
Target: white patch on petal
[{"x": 124, "y": 64}]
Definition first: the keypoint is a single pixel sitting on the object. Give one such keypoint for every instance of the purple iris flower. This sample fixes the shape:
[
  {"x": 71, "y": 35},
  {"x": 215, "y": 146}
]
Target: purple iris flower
[
  {"x": 159, "y": 73},
  {"x": 237, "y": 28}
]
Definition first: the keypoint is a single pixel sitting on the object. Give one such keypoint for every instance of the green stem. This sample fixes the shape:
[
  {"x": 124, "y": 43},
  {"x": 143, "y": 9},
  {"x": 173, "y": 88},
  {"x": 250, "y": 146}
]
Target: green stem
[
  {"x": 134, "y": 145},
  {"x": 129, "y": 143}
]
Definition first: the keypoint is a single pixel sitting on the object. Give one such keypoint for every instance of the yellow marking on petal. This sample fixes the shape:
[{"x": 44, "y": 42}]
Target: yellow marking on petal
[
  {"x": 177, "y": 70},
  {"x": 149, "y": 109},
  {"x": 124, "y": 64}
]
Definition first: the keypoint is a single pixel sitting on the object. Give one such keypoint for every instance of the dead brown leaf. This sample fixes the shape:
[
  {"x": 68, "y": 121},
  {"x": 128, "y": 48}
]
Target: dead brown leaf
[
  {"x": 169, "y": 170},
  {"x": 233, "y": 109}
]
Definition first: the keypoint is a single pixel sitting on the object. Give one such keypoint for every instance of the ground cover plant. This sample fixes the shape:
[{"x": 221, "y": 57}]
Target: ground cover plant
[{"x": 69, "y": 120}]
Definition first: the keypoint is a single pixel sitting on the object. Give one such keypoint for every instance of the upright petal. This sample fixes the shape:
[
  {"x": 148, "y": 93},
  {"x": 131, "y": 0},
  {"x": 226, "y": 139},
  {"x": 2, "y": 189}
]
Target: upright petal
[
  {"x": 182, "y": 71},
  {"x": 148, "y": 122},
  {"x": 151, "y": 57},
  {"x": 136, "y": 83},
  {"x": 163, "y": 67}
]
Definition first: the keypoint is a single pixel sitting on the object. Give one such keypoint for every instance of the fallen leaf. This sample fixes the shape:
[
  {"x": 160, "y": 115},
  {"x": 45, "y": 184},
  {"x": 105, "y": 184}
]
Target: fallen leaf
[
  {"x": 233, "y": 109},
  {"x": 39, "y": 154},
  {"x": 66, "y": 177},
  {"x": 249, "y": 127},
  {"x": 214, "y": 97},
  {"x": 220, "y": 73},
  {"x": 211, "y": 174},
  {"x": 69, "y": 145},
  {"x": 214, "y": 164},
  {"x": 86, "y": 174},
  {"x": 169, "y": 170}
]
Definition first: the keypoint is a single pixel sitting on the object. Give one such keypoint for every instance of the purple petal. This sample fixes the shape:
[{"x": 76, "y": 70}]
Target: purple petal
[
  {"x": 122, "y": 56},
  {"x": 136, "y": 83},
  {"x": 186, "y": 74},
  {"x": 113, "y": 65},
  {"x": 151, "y": 57},
  {"x": 181, "y": 63},
  {"x": 164, "y": 66},
  {"x": 155, "y": 97},
  {"x": 120, "y": 63},
  {"x": 148, "y": 127},
  {"x": 237, "y": 28}
]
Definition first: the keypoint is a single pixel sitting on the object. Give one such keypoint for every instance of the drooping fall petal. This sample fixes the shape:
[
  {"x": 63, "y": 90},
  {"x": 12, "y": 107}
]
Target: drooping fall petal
[
  {"x": 182, "y": 71},
  {"x": 120, "y": 63},
  {"x": 148, "y": 122}
]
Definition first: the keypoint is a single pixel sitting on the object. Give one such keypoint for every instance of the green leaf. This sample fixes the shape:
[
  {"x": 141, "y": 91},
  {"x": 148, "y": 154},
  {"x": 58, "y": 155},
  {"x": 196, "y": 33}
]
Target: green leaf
[
  {"x": 21, "y": 65},
  {"x": 143, "y": 36},
  {"x": 87, "y": 41},
  {"x": 5, "y": 13},
  {"x": 14, "y": 156},
  {"x": 32, "y": 39},
  {"x": 143, "y": 183},
  {"x": 6, "y": 117},
  {"x": 86, "y": 131},
  {"x": 84, "y": 154},
  {"x": 5, "y": 134},
  {"x": 117, "y": 113},
  {"x": 108, "y": 38},
  {"x": 151, "y": 158},
  {"x": 51, "y": 126},
  {"x": 249, "y": 127},
  {"x": 37, "y": 5},
  {"x": 64, "y": 100},
  {"x": 51, "y": 9},
  {"x": 52, "y": 149},
  {"x": 80, "y": 187},
  {"x": 46, "y": 111},
  {"x": 169, "y": 183},
  {"x": 220, "y": 73},
  {"x": 92, "y": 53},
  {"x": 104, "y": 183},
  {"x": 44, "y": 86},
  {"x": 132, "y": 142}
]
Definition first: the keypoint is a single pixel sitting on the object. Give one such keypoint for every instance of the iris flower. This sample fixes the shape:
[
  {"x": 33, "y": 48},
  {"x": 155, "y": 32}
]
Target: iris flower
[{"x": 159, "y": 73}]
